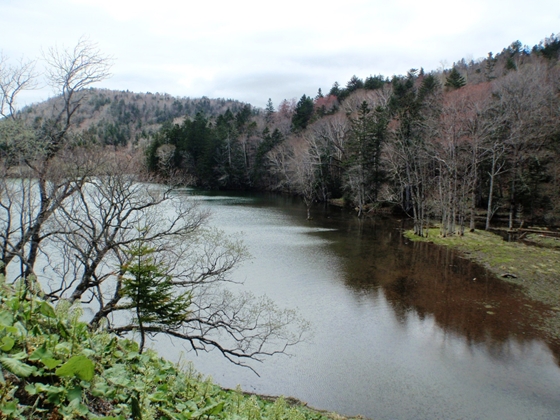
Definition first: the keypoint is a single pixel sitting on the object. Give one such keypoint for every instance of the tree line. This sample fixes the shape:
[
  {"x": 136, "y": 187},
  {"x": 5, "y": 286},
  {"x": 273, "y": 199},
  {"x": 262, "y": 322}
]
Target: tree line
[{"x": 454, "y": 146}]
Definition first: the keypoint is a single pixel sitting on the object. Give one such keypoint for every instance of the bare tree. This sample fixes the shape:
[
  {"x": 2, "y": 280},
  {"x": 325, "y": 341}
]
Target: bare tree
[
  {"x": 415, "y": 105},
  {"x": 526, "y": 112},
  {"x": 279, "y": 161},
  {"x": 497, "y": 154},
  {"x": 113, "y": 214},
  {"x": 457, "y": 151},
  {"x": 304, "y": 167},
  {"x": 46, "y": 173},
  {"x": 72, "y": 214},
  {"x": 14, "y": 80},
  {"x": 70, "y": 71},
  {"x": 327, "y": 140}
]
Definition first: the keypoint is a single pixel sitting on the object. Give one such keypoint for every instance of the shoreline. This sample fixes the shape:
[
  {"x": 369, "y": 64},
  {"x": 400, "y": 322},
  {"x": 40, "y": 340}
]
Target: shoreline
[{"x": 534, "y": 267}]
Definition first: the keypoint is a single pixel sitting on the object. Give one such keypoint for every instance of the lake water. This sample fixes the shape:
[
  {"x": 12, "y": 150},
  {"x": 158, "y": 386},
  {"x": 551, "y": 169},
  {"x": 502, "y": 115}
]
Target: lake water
[{"x": 400, "y": 330}]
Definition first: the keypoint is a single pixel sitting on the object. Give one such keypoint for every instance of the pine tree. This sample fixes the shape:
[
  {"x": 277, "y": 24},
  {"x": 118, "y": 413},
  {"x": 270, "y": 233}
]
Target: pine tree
[
  {"x": 489, "y": 68},
  {"x": 269, "y": 111},
  {"x": 364, "y": 173},
  {"x": 455, "y": 80},
  {"x": 303, "y": 113},
  {"x": 152, "y": 294},
  {"x": 335, "y": 90}
]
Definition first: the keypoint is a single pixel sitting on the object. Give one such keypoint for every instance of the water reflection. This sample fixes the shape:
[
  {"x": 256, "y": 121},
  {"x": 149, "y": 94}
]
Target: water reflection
[
  {"x": 402, "y": 330},
  {"x": 428, "y": 280}
]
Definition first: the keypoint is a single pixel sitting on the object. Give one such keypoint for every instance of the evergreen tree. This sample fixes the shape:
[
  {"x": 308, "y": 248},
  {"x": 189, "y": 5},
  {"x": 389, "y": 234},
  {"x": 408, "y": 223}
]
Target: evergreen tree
[
  {"x": 550, "y": 48},
  {"x": 269, "y": 111},
  {"x": 152, "y": 294},
  {"x": 335, "y": 90},
  {"x": 243, "y": 117},
  {"x": 260, "y": 171},
  {"x": 374, "y": 82},
  {"x": 429, "y": 85},
  {"x": 489, "y": 67},
  {"x": 354, "y": 84},
  {"x": 303, "y": 113},
  {"x": 364, "y": 174},
  {"x": 455, "y": 80}
]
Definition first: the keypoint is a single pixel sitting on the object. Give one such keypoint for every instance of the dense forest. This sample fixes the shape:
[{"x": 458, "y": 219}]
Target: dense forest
[
  {"x": 455, "y": 146},
  {"x": 120, "y": 118}
]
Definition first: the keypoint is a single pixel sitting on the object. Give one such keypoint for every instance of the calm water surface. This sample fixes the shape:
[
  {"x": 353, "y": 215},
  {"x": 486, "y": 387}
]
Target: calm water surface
[{"x": 400, "y": 330}]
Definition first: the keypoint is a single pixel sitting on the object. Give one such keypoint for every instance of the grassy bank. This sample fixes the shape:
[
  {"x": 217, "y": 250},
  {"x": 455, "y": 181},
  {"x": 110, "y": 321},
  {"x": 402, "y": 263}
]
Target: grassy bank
[
  {"x": 535, "y": 267},
  {"x": 53, "y": 367}
]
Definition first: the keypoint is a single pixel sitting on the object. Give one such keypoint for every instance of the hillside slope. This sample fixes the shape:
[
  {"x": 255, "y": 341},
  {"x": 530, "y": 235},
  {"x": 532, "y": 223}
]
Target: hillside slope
[{"x": 121, "y": 117}]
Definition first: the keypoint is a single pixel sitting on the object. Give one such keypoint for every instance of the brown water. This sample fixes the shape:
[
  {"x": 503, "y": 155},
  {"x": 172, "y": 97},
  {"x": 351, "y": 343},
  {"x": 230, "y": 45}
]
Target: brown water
[{"x": 401, "y": 330}]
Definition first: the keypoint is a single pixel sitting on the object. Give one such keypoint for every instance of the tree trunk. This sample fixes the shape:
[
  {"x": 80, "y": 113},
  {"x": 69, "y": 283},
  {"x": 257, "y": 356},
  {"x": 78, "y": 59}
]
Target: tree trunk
[{"x": 489, "y": 209}]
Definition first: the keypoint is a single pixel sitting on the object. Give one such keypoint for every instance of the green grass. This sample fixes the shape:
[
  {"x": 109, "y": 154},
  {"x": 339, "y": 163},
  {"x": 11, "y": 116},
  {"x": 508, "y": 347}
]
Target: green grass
[
  {"x": 53, "y": 367},
  {"x": 543, "y": 241}
]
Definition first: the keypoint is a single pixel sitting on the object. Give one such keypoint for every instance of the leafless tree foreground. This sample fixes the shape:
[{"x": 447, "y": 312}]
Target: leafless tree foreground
[{"x": 74, "y": 215}]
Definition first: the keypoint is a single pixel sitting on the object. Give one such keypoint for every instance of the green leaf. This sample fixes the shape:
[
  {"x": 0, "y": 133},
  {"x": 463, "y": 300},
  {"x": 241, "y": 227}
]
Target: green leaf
[
  {"x": 64, "y": 347},
  {"x": 101, "y": 389},
  {"x": 131, "y": 346},
  {"x": 11, "y": 330},
  {"x": 31, "y": 389},
  {"x": 210, "y": 410},
  {"x": 217, "y": 409},
  {"x": 7, "y": 344},
  {"x": 36, "y": 330},
  {"x": 82, "y": 409},
  {"x": 62, "y": 330},
  {"x": 19, "y": 356},
  {"x": 16, "y": 367},
  {"x": 6, "y": 319},
  {"x": 40, "y": 353},
  {"x": 79, "y": 366},
  {"x": 75, "y": 393},
  {"x": 50, "y": 363},
  {"x": 8, "y": 408},
  {"x": 47, "y": 310},
  {"x": 20, "y": 328},
  {"x": 55, "y": 394}
]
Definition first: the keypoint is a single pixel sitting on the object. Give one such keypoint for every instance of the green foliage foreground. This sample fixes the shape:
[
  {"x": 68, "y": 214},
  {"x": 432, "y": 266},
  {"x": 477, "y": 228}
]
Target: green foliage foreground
[{"x": 54, "y": 367}]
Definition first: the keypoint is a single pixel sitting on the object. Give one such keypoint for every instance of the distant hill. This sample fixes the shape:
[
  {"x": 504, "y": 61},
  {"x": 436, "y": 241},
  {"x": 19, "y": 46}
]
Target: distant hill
[{"x": 121, "y": 117}]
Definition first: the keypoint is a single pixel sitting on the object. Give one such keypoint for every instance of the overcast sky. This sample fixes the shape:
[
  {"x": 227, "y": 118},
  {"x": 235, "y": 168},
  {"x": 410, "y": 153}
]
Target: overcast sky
[{"x": 255, "y": 50}]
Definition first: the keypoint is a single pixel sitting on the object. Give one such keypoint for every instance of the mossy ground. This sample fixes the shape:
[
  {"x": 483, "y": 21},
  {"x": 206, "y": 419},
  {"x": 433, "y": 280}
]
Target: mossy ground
[{"x": 534, "y": 266}]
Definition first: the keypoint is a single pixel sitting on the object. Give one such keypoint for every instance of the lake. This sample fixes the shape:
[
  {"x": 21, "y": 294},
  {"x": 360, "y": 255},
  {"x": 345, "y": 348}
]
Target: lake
[{"x": 400, "y": 330}]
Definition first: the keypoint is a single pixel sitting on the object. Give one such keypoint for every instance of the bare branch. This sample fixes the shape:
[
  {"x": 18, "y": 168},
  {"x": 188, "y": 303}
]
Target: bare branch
[{"x": 14, "y": 80}]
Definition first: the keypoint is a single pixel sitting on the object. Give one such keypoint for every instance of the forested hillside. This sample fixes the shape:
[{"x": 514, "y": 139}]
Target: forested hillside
[
  {"x": 450, "y": 146},
  {"x": 122, "y": 117},
  {"x": 453, "y": 146}
]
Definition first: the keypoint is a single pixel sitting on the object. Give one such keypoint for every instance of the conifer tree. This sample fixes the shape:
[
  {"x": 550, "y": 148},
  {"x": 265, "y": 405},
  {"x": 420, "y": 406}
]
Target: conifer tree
[
  {"x": 303, "y": 113},
  {"x": 364, "y": 145},
  {"x": 151, "y": 293},
  {"x": 269, "y": 111},
  {"x": 455, "y": 80}
]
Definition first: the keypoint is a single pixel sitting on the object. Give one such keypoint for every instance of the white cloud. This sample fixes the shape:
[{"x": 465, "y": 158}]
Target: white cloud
[{"x": 252, "y": 50}]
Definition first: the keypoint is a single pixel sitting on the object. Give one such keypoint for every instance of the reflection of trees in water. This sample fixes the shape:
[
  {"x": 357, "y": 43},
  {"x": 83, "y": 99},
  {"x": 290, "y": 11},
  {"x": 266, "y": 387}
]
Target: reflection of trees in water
[{"x": 425, "y": 280}]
